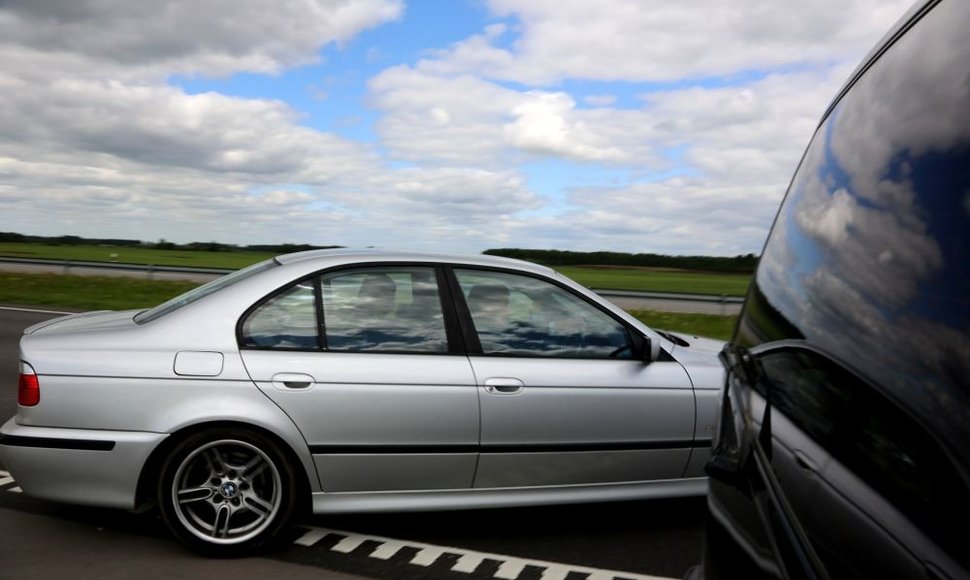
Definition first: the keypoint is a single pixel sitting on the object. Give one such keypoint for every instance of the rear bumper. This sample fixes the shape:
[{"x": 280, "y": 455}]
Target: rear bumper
[{"x": 81, "y": 466}]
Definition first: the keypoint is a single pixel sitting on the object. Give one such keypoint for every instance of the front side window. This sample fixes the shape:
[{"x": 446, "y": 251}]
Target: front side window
[{"x": 525, "y": 316}]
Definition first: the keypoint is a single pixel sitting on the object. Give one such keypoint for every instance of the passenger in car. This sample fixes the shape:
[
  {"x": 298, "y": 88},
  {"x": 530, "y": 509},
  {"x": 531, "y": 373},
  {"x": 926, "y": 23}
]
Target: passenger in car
[
  {"x": 375, "y": 298},
  {"x": 372, "y": 313},
  {"x": 489, "y": 305}
]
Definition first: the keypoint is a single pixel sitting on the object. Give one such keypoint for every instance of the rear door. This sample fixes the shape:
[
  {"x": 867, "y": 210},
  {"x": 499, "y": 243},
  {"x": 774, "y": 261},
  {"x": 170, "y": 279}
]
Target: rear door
[
  {"x": 564, "y": 399},
  {"x": 360, "y": 360}
]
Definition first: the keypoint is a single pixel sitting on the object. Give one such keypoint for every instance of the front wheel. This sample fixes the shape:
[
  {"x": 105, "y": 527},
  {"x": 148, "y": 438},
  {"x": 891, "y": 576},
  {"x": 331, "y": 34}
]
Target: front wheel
[{"x": 225, "y": 491}]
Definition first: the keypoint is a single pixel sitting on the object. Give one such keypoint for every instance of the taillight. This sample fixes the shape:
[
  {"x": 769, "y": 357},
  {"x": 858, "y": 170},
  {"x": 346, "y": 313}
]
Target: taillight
[{"x": 28, "y": 391}]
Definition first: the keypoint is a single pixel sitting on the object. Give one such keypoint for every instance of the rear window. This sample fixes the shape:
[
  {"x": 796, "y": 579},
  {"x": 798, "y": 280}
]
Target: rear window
[{"x": 203, "y": 291}]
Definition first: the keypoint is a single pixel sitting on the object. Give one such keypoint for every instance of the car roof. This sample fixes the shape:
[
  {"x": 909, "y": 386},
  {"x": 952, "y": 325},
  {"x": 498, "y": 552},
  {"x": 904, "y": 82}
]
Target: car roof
[{"x": 348, "y": 255}]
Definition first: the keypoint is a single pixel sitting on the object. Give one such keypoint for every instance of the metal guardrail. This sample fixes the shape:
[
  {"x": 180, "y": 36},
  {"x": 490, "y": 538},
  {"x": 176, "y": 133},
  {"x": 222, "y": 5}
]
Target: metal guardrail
[
  {"x": 710, "y": 298},
  {"x": 149, "y": 270}
]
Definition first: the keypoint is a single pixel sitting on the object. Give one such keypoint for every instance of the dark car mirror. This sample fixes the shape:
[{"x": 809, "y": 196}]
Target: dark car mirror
[{"x": 647, "y": 350}]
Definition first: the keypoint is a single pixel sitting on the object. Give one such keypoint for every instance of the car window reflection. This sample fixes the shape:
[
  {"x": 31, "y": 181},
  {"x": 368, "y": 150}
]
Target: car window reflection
[
  {"x": 866, "y": 258},
  {"x": 383, "y": 310},
  {"x": 523, "y": 316},
  {"x": 871, "y": 437},
  {"x": 363, "y": 310}
]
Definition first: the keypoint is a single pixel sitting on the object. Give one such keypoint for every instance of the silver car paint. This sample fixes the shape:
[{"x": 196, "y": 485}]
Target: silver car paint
[
  {"x": 98, "y": 478},
  {"x": 334, "y": 503},
  {"x": 373, "y": 400},
  {"x": 615, "y": 401},
  {"x": 137, "y": 393}
]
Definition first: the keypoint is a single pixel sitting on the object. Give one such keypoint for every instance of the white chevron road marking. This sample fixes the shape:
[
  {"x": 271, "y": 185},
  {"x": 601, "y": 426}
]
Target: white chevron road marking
[{"x": 510, "y": 567}]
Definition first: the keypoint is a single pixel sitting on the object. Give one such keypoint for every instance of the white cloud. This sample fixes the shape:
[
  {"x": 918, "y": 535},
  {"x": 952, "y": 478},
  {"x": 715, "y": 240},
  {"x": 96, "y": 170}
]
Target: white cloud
[
  {"x": 631, "y": 40},
  {"x": 734, "y": 144},
  {"x": 739, "y": 146},
  {"x": 541, "y": 126},
  {"x": 94, "y": 140},
  {"x": 414, "y": 104},
  {"x": 212, "y": 37}
]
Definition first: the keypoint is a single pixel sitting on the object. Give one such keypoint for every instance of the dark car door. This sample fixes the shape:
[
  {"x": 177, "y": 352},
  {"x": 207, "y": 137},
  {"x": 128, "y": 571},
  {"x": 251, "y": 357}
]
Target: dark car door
[{"x": 853, "y": 468}]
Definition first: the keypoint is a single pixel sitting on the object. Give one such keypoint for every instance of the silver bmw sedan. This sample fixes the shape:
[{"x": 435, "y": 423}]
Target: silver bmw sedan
[{"x": 353, "y": 381}]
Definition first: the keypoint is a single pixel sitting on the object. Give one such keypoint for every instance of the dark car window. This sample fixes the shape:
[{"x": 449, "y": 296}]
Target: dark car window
[
  {"x": 867, "y": 262},
  {"x": 875, "y": 439},
  {"x": 883, "y": 446},
  {"x": 868, "y": 255},
  {"x": 383, "y": 310},
  {"x": 870, "y": 436},
  {"x": 525, "y": 316},
  {"x": 811, "y": 391}
]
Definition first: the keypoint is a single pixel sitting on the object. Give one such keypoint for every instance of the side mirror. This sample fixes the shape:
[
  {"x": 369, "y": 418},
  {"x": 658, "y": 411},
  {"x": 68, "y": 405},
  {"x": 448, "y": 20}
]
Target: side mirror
[{"x": 649, "y": 350}]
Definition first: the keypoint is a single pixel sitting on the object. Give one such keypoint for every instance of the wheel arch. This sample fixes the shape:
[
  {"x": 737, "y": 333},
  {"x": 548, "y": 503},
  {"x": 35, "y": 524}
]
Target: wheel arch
[{"x": 148, "y": 480}]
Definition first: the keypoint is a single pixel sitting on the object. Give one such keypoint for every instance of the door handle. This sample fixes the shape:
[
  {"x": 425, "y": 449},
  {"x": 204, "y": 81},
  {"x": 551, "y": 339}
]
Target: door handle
[
  {"x": 292, "y": 381},
  {"x": 503, "y": 386}
]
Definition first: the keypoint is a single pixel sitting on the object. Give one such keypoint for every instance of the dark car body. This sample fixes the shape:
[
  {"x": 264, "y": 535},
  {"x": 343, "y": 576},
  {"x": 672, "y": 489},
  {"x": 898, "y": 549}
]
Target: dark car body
[{"x": 843, "y": 449}]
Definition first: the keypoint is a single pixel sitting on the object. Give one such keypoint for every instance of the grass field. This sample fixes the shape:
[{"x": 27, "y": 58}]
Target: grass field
[
  {"x": 658, "y": 280},
  {"x": 126, "y": 255},
  {"x": 606, "y": 278},
  {"x": 87, "y": 292},
  {"x": 115, "y": 293},
  {"x": 709, "y": 325}
]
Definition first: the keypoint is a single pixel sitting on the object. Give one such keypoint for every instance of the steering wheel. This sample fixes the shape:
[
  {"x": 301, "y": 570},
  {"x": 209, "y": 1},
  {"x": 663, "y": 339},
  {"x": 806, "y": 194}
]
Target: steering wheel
[{"x": 619, "y": 350}]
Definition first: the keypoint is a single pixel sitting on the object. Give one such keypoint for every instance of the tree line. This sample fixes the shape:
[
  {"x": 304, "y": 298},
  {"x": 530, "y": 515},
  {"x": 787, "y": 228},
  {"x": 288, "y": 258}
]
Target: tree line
[
  {"x": 740, "y": 264},
  {"x": 743, "y": 264},
  {"x": 161, "y": 244}
]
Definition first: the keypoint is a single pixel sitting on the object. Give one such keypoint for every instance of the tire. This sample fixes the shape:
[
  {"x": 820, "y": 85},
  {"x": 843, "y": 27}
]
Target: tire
[{"x": 227, "y": 491}]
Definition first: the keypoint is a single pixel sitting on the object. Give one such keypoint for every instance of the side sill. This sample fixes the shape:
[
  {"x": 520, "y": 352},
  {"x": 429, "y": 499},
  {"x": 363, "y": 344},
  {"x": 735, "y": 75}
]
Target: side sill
[{"x": 352, "y": 502}]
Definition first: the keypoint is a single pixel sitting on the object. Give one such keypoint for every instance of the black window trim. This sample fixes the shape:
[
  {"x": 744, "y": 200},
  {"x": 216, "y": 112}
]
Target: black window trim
[
  {"x": 459, "y": 330},
  {"x": 321, "y": 322}
]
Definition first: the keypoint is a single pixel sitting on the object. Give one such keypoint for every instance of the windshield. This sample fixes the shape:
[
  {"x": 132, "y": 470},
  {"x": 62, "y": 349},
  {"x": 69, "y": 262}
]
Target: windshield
[{"x": 202, "y": 291}]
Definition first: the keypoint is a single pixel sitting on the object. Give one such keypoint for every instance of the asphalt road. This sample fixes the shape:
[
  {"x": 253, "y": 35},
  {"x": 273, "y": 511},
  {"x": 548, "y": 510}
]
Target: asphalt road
[{"x": 622, "y": 540}]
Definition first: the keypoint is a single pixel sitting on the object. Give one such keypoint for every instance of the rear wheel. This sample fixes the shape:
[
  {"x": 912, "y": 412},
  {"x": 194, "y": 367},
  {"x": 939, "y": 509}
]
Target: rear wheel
[{"x": 225, "y": 491}]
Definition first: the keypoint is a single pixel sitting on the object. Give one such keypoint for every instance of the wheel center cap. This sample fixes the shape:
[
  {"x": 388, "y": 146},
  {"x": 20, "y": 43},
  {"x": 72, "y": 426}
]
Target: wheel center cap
[{"x": 229, "y": 490}]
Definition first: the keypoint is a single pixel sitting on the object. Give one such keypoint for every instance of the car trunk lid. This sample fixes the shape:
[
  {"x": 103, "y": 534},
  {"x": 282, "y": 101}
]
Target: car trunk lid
[{"x": 98, "y": 320}]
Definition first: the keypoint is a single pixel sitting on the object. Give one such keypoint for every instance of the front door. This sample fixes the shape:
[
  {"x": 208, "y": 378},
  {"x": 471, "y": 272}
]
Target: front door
[{"x": 564, "y": 400}]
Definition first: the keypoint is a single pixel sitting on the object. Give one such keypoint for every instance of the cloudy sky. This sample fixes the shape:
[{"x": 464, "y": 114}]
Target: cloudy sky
[{"x": 458, "y": 125}]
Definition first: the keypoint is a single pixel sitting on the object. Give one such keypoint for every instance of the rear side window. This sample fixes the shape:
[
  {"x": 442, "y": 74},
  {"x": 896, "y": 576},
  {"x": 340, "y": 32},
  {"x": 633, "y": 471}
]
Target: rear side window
[
  {"x": 287, "y": 320},
  {"x": 378, "y": 309},
  {"x": 383, "y": 310}
]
